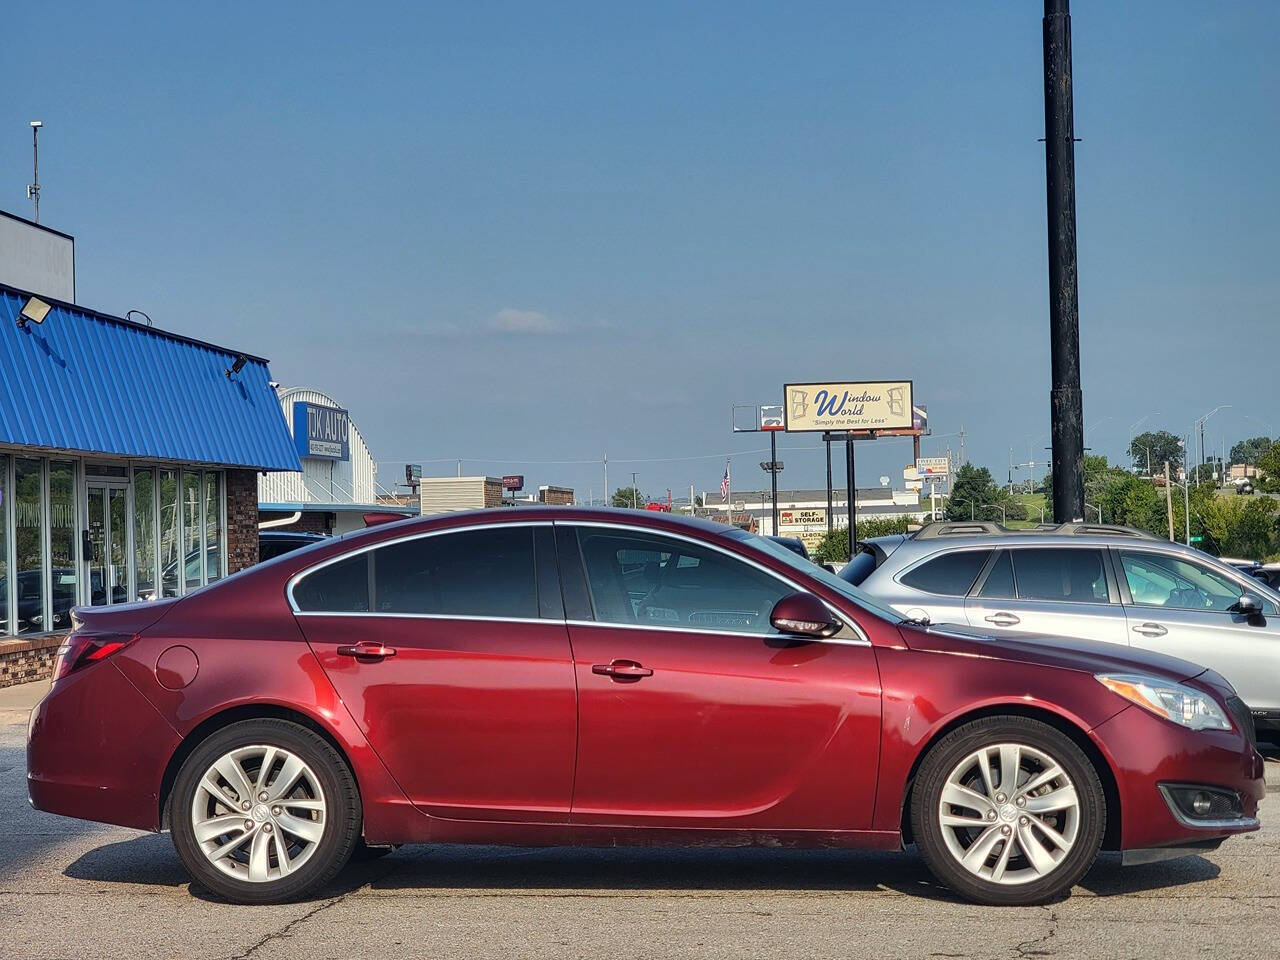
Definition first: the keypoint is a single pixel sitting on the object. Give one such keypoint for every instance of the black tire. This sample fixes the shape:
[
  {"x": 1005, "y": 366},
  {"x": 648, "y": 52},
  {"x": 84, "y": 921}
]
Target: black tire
[
  {"x": 343, "y": 815},
  {"x": 951, "y": 751}
]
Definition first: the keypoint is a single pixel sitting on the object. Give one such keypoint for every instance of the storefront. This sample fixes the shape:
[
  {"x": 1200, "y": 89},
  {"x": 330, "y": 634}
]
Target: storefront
[{"x": 128, "y": 461}]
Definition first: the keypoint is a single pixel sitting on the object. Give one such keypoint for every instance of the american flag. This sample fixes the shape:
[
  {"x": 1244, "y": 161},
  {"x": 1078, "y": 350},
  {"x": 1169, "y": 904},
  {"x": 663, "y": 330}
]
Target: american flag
[{"x": 724, "y": 484}]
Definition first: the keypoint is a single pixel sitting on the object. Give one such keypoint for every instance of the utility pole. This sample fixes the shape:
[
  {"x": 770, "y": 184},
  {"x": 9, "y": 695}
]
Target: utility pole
[
  {"x": 773, "y": 479},
  {"x": 635, "y": 494},
  {"x": 1186, "y": 490},
  {"x": 33, "y": 188},
  {"x": 830, "y": 513},
  {"x": 604, "y": 500},
  {"x": 1168, "y": 496},
  {"x": 963, "y": 461},
  {"x": 1066, "y": 402}
]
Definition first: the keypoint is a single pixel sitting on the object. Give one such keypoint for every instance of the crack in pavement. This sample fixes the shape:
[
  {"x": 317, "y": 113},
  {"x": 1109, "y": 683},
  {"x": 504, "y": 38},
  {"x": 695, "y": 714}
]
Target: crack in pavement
[
  {"x": 1038, "y": 946},
  {"x": 287, "y": 929}
]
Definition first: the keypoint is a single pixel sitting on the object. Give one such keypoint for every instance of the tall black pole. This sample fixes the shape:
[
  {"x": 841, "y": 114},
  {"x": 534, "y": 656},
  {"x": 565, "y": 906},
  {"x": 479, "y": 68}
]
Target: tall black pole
[
  {"x": 830, "y": 514},
  {"x": 853, "y": 511},
  {"x": 773, "y": 475},
  {"x": 1064, "y": 309}
]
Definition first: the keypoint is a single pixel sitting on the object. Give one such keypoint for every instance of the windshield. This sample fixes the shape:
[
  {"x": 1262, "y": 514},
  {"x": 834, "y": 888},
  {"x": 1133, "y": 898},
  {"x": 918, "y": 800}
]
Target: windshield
[{"x": 823, "y": 575}]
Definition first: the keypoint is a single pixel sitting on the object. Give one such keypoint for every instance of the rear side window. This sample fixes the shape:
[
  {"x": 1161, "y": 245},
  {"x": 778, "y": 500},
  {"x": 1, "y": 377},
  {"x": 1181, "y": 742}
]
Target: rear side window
[
  {"x": 951, "y": 574},
  {"x": 1052, "y": 573},
  {"x": 474, "y": 573}
]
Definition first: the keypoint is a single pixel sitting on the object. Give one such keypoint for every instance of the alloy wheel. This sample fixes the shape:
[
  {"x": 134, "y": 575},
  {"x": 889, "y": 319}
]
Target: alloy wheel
[
  {"x": 1009, "y": 813},
  {"x": 258, "y": 813}
]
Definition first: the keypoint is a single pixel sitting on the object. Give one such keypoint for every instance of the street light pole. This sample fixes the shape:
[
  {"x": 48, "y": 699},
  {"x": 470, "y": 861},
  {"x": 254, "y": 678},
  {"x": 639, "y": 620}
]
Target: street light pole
[{"x": 1066, "y": 402}]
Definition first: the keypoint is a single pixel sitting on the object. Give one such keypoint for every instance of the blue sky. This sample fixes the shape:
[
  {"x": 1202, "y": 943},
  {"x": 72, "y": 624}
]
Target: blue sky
[{"x": 531, "y": 233}]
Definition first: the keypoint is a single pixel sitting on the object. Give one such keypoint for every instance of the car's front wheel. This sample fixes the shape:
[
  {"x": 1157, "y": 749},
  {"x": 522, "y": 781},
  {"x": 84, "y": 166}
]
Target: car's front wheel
[
  {"x": 264, "y": 811},
  {"x": 1008, "y": 811}
]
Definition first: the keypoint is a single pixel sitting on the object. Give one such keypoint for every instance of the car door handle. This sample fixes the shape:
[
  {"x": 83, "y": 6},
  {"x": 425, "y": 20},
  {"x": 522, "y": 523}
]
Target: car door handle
[
  {"x": 1003, "y": 619},
  {"x": 367, "y": 650},
  {"x": 621, "y": 671},
  {"x": 1150, "y": 630}
]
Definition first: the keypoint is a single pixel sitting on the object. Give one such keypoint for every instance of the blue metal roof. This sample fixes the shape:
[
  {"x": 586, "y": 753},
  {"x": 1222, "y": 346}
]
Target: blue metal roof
[{"x": 87, "y": 382}]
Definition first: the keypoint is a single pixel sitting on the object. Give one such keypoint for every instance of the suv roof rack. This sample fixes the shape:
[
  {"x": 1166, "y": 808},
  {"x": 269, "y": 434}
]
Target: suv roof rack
[
  {"x": 958, "y": 528},
  {"x": 978, "y": 528}
]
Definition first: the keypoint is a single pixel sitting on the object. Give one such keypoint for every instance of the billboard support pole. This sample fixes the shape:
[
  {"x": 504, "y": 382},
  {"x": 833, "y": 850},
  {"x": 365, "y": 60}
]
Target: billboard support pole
[
  {"x": 853, "y": 511},
  {"x": 773, "y": 475},
  {"x": 830, "y": 516}
]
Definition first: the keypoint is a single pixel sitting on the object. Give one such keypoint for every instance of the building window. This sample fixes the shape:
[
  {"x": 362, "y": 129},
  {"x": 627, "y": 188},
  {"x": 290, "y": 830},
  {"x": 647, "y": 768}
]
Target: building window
[
  {"x": 213, "y": 526},
  {"x": 64, "y": 574},
  {"x": 28, "y": 505},
  {"x": 5, "y": 625},
  {"x": 144, "y": 532},
  {"x": 169, "y": 539},
  {"x": 192, "y": 555}
]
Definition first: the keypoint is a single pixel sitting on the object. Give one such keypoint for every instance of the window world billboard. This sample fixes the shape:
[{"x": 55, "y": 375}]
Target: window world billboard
[
  {"x": 839, "y": 407},
  {"x": 323, "y": 432}
]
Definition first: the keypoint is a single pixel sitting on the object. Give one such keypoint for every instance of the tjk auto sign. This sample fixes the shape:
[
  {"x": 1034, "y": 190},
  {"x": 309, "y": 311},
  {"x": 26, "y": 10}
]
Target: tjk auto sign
[{"x": 837, "y": 407}]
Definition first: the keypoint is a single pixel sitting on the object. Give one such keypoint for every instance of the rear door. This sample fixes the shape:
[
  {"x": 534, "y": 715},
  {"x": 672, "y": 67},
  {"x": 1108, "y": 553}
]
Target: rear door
[
  {"x": 695, "y": 712},
  {"x": 1183, "y": 608},
  {"x": 451, "y": 652},
  {"x": 1066, "y": 591}
]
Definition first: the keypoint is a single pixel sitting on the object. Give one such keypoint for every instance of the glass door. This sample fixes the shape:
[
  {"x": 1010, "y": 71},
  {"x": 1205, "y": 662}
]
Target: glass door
[{"x": 107, "y": 543}]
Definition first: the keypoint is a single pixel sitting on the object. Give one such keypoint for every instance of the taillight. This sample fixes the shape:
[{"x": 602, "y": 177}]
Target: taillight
[{"x": 82, "y": 649}]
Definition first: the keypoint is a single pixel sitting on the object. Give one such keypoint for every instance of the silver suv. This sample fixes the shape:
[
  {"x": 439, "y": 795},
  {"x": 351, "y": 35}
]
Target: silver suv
[{"x": 1092, "y": 581}]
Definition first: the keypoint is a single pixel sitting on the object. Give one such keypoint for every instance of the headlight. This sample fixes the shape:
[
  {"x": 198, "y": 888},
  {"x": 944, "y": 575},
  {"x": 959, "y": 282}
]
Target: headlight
[{"x": 1173, "y": 701}]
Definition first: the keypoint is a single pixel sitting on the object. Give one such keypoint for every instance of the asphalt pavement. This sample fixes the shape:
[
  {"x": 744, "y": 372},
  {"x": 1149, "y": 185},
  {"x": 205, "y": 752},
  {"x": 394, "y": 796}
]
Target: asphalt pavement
[{"x": 72, "y": 889}]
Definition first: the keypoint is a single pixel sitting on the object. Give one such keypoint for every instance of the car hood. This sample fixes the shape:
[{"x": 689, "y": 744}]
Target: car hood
[{"x": 1087, "y": 656}]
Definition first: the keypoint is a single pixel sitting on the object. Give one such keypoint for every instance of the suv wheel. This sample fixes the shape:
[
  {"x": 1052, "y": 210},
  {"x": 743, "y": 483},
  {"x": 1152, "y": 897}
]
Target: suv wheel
[
  {"x": 264, "y": 811},
  {"x": 1008, "y": 810}
]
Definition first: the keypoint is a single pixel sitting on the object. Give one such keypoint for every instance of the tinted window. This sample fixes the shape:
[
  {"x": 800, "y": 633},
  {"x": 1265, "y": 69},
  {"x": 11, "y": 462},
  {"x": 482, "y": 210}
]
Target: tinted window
[
  {"x": 999, "y": 582},
  {"x": 475, "y": 573},
  {"x": 860, "y": 567},
  {"x": 636, "y": 578},
  {"x": 341, "y": 587},
  {"x": 951, "y": 574},
  {"x": 1060, "y": 574},
  {"x": 1162, "y": 581}
]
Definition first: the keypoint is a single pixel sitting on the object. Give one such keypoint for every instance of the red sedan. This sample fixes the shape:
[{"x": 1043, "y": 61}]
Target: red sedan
[{"x": 567, "y": 676}]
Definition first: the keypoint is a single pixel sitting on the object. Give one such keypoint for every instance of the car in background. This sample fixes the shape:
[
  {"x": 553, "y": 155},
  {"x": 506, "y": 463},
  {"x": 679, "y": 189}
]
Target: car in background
[
  {"x": 542, "y": 676},
  {"x": 276, "y": 543},
  {"x": 794, "y": 544},
  {"x": 1092, "y": 581}
]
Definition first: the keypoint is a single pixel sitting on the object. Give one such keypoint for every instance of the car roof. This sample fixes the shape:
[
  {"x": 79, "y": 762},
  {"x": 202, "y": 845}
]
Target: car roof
[
  {"x": 956, "y": 535},
  {"x": 290, "y": 535}
]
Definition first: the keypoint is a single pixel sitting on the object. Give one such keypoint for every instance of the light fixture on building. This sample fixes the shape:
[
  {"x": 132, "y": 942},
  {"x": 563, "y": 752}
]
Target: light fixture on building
[
  {"x": 34, "y": 310},
  {"x": 237, "y": 365}
]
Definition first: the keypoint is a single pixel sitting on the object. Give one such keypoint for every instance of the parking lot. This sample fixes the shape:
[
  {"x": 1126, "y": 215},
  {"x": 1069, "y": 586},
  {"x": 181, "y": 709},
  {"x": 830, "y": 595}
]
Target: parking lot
[{"x": 75, "y": 889}]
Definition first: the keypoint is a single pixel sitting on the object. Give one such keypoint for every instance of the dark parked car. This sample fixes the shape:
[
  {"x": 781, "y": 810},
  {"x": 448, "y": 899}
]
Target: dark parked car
[
  {"x": 565, "y": 675},
  {"x": 276, "y": 543},
  {"x": 794, "y": 544}
]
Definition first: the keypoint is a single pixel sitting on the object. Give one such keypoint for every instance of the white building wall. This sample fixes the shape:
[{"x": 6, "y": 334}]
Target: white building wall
[{"x": 321, "y": 481}]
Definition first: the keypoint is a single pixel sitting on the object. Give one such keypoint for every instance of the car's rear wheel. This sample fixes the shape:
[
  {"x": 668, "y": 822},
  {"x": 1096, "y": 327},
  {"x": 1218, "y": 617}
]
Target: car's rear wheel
[
  {"x": 264, "y": 811},
  {"x": 1008, "y": 811}
]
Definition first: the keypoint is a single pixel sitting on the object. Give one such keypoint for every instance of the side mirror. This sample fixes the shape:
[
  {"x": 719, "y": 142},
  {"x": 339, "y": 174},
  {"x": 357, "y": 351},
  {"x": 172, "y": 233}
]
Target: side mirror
[
  {"x": 1248, "y": 606},
  {"x": 804, "y": 615}
]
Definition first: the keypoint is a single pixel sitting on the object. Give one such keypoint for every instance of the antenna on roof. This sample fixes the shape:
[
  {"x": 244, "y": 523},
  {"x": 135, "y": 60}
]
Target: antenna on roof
[{"x": 33, "y": 188}]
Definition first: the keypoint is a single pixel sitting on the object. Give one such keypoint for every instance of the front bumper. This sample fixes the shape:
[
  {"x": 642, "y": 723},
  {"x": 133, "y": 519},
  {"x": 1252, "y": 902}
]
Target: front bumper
[
  {"x": 97, "y": 750},
  {"x": 1148, "y": 753}
]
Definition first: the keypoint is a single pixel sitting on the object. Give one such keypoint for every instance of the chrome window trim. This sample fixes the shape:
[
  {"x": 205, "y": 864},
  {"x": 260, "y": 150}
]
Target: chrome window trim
[
  {"x": 430, "y": 616},
  {"x": 420, "y": 535},
  {"x": 840, "y": 641},
  {"x": 844, "y": 619}
]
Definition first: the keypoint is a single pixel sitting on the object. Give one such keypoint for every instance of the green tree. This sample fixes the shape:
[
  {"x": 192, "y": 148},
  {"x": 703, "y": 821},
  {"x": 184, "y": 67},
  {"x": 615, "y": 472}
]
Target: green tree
[
  {"x": 1248, "y": 451},
  {"x": 1241, "y": 527},
  {"x": 975, "y": 495},
  {"x": 1163, "y": 446},
  {"x": 628, "y": 497},
  {"x": 834, "y": 547},
  {"x": 1269, "y": 469}
]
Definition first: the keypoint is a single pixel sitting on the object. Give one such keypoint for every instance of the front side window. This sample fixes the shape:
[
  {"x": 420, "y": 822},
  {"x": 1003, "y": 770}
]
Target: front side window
[
  {"x": 1060, "y": 573},
  {"x": 951, "y": 574},
  {"x": 1165, "y": 581},
  {"x": 647, "y": 580}
]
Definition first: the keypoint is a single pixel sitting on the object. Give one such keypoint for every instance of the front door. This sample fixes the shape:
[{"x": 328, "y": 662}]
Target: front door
[
  {"x": 451, "y": 653},
  {"x": 1184, "y": 608},
  {"x": 107, "y": 557},
  {"x": 696, "y": 713}
]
